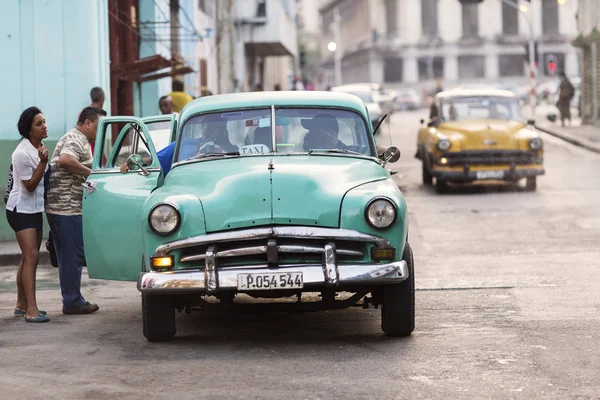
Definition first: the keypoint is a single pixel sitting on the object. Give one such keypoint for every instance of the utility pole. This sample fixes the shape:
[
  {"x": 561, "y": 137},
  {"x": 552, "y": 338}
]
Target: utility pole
[
  {"x": 532, "y": 66},
  {"x": 337, "y": 54}
]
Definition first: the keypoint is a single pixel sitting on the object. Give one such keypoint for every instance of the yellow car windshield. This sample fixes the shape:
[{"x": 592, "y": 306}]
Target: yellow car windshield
[{"x": 480, "y": 108}]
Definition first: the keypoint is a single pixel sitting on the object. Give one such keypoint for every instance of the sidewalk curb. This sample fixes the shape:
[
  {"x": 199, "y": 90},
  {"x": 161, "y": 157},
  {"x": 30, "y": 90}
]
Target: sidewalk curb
[
  {"x": 577, "y": 142},
  {"x": 13, "y": 259}
]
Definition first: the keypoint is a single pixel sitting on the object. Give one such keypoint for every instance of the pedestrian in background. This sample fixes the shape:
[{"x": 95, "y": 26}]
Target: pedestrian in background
[
  {"x": 179, "y": 96},
  {"x": 97, "y": 96},
  {"x": 70, "y": 166},
  {"x": 566, "y": 91},
  {"x": 165, "y": 104},
  {"x": 24, "y": 208}
]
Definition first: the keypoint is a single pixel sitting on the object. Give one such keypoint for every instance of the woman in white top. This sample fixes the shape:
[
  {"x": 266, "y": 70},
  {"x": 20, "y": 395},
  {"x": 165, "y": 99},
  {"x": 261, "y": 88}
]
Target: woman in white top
[{"x": 25, "y": 206}]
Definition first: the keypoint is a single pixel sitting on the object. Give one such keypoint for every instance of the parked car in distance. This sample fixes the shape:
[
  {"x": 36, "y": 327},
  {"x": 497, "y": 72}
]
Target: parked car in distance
[
  {"x": 479, "y": 135},
  {"x": 271, "y": 195},
  {"x": 368, "y": 95},
  {"x": 407, "y": 99}
]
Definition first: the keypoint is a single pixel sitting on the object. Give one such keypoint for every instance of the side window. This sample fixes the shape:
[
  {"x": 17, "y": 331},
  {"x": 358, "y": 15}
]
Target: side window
[
  {"x": 122, "y": 141},
  {"x": 160, "y": 132}
]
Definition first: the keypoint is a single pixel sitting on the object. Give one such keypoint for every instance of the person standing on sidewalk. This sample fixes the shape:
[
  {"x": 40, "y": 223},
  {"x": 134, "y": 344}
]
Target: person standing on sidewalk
[
  {"x": 71, "y": 165},
  {"x": 566, "y": 91},
  {"x": 24, "y": 208}
]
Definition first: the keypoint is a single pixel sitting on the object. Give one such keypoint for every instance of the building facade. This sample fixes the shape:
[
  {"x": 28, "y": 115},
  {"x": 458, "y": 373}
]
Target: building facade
[
  {"x": 309, "y": 40},
  {"x": 414, "y": 42},
  {"x": 256, "y": 44},
  {"x": 588, "y": 40}
]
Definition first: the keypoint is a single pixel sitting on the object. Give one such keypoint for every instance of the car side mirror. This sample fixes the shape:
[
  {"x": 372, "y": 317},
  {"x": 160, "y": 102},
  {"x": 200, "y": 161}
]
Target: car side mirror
[
  {"x": 391, "y": 154},
  {"x": 134, "y": 162}
]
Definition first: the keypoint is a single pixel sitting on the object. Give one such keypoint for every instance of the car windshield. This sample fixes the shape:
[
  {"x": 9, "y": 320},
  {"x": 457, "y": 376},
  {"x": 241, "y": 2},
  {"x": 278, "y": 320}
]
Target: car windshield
[
  {"x": 297, "y": 130},
  {"x": 480, "y": 108}
]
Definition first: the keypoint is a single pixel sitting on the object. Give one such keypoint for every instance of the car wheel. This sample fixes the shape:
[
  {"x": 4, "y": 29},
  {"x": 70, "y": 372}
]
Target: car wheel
[
  {"x": 441, "y": 186},
  {"x": 398, "y": 306},
  {"x": 427, "y": 178},
  {"x": 158, "y": 316},
  {"x": 531, "y": 184}
]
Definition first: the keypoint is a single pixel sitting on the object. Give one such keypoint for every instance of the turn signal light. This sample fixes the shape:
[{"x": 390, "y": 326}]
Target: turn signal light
[
  {"x": 385, "y": 253},
  {"x": 161, "y": 262}
]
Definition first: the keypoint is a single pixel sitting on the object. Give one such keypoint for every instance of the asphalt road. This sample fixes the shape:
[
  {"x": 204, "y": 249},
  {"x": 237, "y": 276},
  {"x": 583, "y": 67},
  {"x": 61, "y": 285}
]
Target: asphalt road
[{"x": 507, "y": 307}]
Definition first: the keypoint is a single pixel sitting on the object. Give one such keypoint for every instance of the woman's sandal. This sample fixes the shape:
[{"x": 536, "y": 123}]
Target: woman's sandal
[
  {"x": 39, "y": 318},
  {"x": 21, "y": 313}
]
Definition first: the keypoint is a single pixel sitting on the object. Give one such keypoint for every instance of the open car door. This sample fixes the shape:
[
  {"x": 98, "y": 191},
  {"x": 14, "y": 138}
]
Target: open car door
[
  {"x": 113, "y": 201},
  {"x": 162, "y": 129}
]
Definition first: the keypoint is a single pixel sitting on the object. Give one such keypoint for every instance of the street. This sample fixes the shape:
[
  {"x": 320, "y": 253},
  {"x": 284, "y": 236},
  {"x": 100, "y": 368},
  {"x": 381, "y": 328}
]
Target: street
[{"x": 507, "y": 305}]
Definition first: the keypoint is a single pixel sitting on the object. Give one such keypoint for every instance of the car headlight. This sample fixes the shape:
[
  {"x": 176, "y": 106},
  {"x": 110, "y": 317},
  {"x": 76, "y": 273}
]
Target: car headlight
[
  {"x": 164, "y": 219},
  {"x": 380, "y": 213},
  {"x": 535, "y": 144},
  {"x": 444, "y": 144}
]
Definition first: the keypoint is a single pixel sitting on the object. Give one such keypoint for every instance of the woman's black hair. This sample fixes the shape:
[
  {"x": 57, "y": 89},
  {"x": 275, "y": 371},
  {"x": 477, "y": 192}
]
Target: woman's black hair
[{"x": 26, "y": 120}]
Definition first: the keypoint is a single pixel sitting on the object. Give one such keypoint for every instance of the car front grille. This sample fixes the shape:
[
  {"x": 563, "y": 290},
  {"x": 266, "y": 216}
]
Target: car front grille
[
  {"x": 274, "y": 246},
  {"x": 270, "y": 251},
  {"x": 491, "y": 157}
]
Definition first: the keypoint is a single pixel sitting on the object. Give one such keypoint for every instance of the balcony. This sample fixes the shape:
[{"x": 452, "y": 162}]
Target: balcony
[{"x": 265, "y": 28}]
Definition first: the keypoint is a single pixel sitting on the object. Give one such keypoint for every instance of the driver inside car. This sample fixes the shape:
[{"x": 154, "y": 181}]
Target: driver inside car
[
  {"x": 495, "y": 113},
  {"x": 323, "y": 131},
  {"x": 216, "y": 140}
]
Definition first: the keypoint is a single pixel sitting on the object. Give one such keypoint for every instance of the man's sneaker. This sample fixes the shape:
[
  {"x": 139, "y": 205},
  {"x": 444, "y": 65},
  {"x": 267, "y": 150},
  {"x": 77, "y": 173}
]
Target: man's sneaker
[{"x": 86, "y": 308}]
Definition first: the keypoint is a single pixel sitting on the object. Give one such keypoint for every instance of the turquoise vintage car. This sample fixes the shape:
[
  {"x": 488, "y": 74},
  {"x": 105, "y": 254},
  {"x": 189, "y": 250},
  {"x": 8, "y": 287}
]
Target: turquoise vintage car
[{"x": 270, "y": 195}]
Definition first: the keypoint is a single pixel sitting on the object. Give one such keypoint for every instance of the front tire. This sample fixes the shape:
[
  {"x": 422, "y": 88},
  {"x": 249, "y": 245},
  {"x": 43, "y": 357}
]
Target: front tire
[
  {"x": 426, "y": 174},
  {"x": 398, "y": 306},
  {"x": 531, "y": 184},
  {"x": 441, "y": 186},
  {"x": 158, "y": 317}
]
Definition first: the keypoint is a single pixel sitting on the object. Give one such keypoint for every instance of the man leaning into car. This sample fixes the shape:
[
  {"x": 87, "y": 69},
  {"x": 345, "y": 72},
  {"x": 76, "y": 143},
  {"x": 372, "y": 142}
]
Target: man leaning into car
[{"x": 71, "y": 163}]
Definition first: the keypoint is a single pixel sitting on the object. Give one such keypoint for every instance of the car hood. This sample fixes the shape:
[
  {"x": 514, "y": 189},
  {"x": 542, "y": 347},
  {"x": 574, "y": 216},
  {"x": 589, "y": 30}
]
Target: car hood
[
  {"x": 487, "y": 134},
  {"x": 285, "y": 190}
]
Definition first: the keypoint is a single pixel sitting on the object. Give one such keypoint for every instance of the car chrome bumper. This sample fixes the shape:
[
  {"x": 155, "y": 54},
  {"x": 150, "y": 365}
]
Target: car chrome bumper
[
  {"x": 314, "y": 276},
  {"x": 468, "y": 174}
]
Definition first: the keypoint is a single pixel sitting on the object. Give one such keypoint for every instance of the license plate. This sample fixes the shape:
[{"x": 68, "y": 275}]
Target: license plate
[
  {"x": 489, "y": 174},
  {"x": 270, "y": 281}
]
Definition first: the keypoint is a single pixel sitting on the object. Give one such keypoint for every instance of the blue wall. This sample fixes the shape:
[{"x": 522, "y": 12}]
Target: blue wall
[{"x": 53, "y": 53}]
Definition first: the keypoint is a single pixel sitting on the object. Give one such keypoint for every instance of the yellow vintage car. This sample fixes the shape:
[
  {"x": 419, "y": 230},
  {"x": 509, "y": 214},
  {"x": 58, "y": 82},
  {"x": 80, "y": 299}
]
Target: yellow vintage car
[{"x": 478, "y": 135}]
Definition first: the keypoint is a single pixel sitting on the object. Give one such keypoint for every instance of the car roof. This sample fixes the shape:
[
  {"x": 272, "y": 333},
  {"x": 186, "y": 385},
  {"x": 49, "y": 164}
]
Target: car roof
[
  {"x": 287, "y": 98},
  {"x": 483, "y": 92}
]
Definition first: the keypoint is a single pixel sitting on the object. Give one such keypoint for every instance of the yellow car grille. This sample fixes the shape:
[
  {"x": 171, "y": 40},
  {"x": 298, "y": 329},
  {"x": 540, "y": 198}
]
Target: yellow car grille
[{"x": 491, "y": 157}]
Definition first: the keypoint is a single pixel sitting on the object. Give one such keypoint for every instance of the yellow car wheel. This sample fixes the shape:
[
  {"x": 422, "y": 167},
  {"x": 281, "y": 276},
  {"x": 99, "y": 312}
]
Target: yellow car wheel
[
  {"x": 427, "y": 177},
  {"x": 441, "y": 186},
  {"x": 531, "y": 184}
]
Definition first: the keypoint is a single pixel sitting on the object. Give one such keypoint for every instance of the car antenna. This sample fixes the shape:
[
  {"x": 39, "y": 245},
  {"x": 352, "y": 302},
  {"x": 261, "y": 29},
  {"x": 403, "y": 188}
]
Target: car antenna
[
  {"x": 389, "y": 131},
  {"x": 379, "y": 124}
]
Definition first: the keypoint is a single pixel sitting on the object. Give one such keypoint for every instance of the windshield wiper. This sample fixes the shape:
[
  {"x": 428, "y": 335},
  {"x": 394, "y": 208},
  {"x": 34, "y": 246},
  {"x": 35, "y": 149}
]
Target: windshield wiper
[
  {"x": 229, "y": 153},
  {"x": 342, "y": 151}
]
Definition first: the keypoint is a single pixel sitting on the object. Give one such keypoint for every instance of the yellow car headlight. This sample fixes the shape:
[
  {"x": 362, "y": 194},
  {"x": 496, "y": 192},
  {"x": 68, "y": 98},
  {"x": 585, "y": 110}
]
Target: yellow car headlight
[
  {"x": 444, "y": 144},
  {"x": 535, "y": 144}
]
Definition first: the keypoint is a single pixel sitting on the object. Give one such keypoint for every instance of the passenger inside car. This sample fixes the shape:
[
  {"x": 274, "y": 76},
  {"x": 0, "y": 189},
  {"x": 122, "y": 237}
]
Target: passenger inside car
[
  {"x": 323, "y": 130},
  {"x": 452, "y": 114}
]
